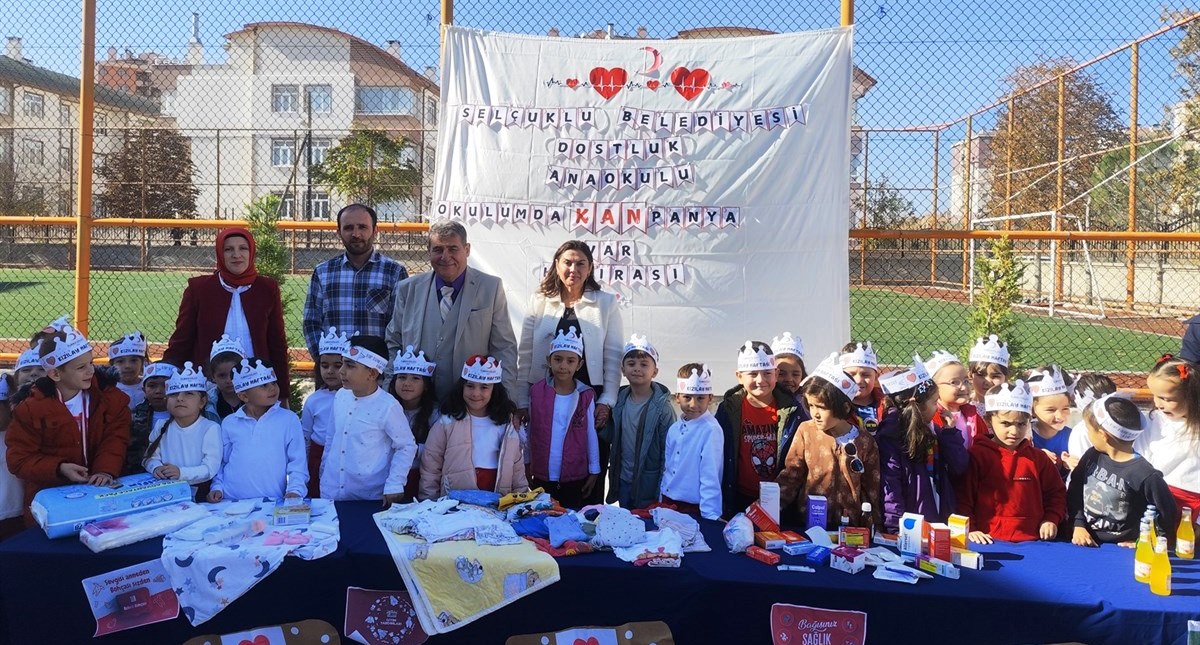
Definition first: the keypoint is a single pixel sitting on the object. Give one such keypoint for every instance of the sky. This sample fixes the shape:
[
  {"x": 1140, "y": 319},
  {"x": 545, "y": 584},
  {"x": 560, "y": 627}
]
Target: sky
[{"x": 934, "y": 62}]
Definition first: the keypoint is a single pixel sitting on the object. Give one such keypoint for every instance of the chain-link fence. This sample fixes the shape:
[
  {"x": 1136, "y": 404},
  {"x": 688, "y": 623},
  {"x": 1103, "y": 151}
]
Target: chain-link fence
[{"x": 1027, "y": 116}]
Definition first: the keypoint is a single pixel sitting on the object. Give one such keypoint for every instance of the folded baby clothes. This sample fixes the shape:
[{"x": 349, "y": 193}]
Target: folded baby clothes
[
  {"x": 513, "y": 499},
  {"x": 662, "y": 548},
  {"x": 565, "y": 528},
  {"x": 532, "y": 527},
  {"x": 617, "y": 527},
  {"x": 685, "y": 525},
  {"x": 476, "y": 497}
]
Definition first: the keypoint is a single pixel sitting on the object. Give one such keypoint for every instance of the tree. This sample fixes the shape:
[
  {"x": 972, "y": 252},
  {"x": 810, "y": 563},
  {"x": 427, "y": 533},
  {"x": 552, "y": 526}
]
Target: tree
[
  {"x": 1185, "y": 169},
  {"x": 998, "y": 276},
  {"x": 150, "y": 176},
  {"x": 886, "y": 206},
  {"x": 1090, "y": 126},
  {"x": 18, "y": 199},
  {"x": 271, "y": 260},
  {"x": 371, "y": 167},
  {"x": 1155, "y": 194}
]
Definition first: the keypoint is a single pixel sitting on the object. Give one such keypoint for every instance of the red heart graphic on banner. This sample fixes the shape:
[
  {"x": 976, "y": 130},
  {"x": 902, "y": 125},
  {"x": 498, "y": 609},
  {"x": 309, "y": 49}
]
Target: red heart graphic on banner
[
  {"x": 607, "y": 82},
  {"x": 592, "y": 640},
  {"x": 689, "y": 83},
  {"x": 572, "y": 83},
  {"x": 653, "y": 85},
  {"x": 258, "y": 640}
]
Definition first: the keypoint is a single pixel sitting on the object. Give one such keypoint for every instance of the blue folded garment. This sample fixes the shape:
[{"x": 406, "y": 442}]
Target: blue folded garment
[
  {"x": 564, "y": 528},
  {"x": 532, "y": 527},
  {"x": 476, "y": 497}
]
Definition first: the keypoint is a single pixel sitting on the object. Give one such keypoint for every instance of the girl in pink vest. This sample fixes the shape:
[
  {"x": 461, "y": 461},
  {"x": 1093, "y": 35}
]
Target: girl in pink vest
[{"x": 564, "y": 451}]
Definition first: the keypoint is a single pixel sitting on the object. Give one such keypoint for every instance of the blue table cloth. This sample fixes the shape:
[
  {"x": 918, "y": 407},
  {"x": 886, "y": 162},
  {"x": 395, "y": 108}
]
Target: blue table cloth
[{"x": 1028, "y": 593}]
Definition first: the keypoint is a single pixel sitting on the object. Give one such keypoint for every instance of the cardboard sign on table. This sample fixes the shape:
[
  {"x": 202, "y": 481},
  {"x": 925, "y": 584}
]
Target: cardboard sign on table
[
  {"x": 131, "y": 597},
  {"x": 305, "y": 632},
  {"x": 793, "y": 624},
  {"x": 641, "y": 633},
  {"x": 382, "y": 618}
]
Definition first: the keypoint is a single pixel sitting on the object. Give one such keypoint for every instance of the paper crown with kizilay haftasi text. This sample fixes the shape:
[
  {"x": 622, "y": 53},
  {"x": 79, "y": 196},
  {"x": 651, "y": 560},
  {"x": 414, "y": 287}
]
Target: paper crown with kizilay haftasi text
[
  {"x": 1111, "y": 426},
  {"x": 638, "y": 343},
  {"x": 830, "y": 371},
  {"x": 65, "y": 350},
  {"x": 366, "y": 358},
  {"x": 131, "y": 344},
  {"x": 227, "y": 344},
  {"x": 1048, "y": 382},
  {"x": 568, "y": 341},
  {"x": 788, "y": 344},
  {"x": 483, "y": 370},
  {"x": 989, "y": 350},
  {"x": 248, "y": 376},
  {"x": 188, "y": 379},
  {"x": 409, "y": 363},
  {"x": 939, "y": 359},
  {"x": 699, "y": 382},
  {"x": 863, "y": 355},
  {"x": 158, "y": 369},
  {"x": 28, "y": 358},
  {"x": 333, "y": 343},
  {"x": 897, "y": 382},
  {"x": 754, "y": 360},
  {"x": 1011, "y": 397}
]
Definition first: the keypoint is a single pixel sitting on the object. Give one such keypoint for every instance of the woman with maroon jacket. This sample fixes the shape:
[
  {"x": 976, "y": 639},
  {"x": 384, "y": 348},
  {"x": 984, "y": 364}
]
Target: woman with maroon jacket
[{"x": 233, "y": 300}]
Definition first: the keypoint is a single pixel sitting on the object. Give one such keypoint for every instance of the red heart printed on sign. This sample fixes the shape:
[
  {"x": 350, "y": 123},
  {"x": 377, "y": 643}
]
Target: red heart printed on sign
[
  {"x": 572, "y": 83},
  {"x": 258, "y": 640},
  {"x": 607, "y": 82},
  {"x": 689, "y": 83},
  {"x": 653, "y": 85},
  {"x": 912, "y": 378},
  {"x": 592, "y": 640}
]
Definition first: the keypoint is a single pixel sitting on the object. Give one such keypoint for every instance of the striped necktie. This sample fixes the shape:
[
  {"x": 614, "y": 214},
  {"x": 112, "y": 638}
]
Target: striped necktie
[{"x": 447, "y": 301}]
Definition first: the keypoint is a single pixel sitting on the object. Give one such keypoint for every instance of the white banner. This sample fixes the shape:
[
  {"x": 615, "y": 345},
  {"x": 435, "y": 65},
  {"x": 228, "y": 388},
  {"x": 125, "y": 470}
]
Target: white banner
[{"x": 710, "y": 177}]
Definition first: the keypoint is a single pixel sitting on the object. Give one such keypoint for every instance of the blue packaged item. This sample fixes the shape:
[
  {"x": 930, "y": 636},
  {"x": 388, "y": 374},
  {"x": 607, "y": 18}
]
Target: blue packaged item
[
  {"x": 818, "y": 555},
  {"x": 62, "y": 511},
  {"x": 800, "y": 548},
  {"x": 486, "y": 498},
  {"x": 818, "y": 509}
]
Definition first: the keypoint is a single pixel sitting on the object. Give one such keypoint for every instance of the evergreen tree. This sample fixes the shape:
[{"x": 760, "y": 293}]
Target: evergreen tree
[
  {"x": 271, "y": 260},
  {"x": 150, "y": 176},
  {"x": 998, "y": 278}
]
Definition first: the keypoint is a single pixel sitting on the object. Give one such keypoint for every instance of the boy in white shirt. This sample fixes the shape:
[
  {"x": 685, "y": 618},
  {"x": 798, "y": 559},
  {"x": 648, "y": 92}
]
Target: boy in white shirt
[
  {"x": 695, "y": 449},
  {"x": 253, "y": 465},
  {"x": 370, "y": 447}
]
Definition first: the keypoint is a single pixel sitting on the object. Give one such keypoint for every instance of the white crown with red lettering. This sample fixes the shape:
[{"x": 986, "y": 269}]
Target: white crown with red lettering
[
  {"x": 567, "y": 342},
  {"x": 333, "y": 342},
  {"x": 366, "y": 357},
  {"x": 188, "y": 379},
  {"x": 787, "y": 344},
  {"x": 227, "y": 344},
  {"x": 1111, "y": 426},
  {"x": 989, "y": 350},
  {"x": 158, "y": 369},
  {"x": 132, "y": 344},
  {"x": 751, "y": 360},
  {"x": 28, "y": 358},
  {"x": 483, "y": 371},
  {"x": 939, "y": 359},
  {"x": 698, "y": 382},
  {"x": 1012, "y": 397},
  {"x": 638, "y": 343},
  {"x": 830, "y": 371},
  {"x": 1049, "y": 383},
  {"x": 863, "y": 355},
  {"x": 58, "y": 324},
  {"x": 408, "y": 363},
  {"x": 898, "y": 382},
  {"x": 74, "y": 346},
  {"x": 249, "y": 376}
]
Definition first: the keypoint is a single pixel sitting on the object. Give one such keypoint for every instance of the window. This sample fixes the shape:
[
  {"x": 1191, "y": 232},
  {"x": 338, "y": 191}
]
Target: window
[
  {"x": 319, "y": 148},
  {"x": 64, "y": 115},
  {"x": 34, "y": 105},
  {"x": 5, "y": 148},
  {"x": 98, "y": 160},
  {"x": 5, "y": 100},
  {"x": 384, "y": 100},
  {"x": 64, "y": 159},
  {"x": 287, "y": 206},
  {"x": 283, "y": 152},
  {"x": 319, "y": 205},
  {"x": 320, "y": 98},
  {"x": 33, "y": 152},
  {"x": 431, "y": 112},
  {"x": 285, "y": 98},
  {"x": 100, "y": 126}
]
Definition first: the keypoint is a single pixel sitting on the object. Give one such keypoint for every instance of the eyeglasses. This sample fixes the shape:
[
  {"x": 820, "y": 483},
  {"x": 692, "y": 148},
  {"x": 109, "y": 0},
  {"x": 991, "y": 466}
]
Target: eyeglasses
[
  {"x": 851, "y": 451},
  {"x": 956, "y": 383}
]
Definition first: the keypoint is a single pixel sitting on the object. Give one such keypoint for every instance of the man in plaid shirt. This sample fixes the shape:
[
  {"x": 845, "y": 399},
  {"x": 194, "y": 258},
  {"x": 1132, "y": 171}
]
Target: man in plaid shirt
[{"x": 354, "y": 291}]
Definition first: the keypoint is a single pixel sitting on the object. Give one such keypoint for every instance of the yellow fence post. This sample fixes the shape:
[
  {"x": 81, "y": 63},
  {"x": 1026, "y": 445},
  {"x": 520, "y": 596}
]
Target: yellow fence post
[
  {"x": 1130, "y": 247},
  {"x": 847, "y": 13},
  {"x": 83, "y": 200},
  {"x": 1012, "y": 107},
  {"x": 966, "y": 173},
  {"x": 933, "y": 245}
]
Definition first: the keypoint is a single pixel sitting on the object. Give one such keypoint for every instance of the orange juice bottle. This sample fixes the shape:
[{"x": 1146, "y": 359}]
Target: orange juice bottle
[
  {"x": 1185, "y": 538},
  {"x": 1160, "y": 570},
  {"x": 1152, "y": 517},
  {"x": 1144, "y": 555}
]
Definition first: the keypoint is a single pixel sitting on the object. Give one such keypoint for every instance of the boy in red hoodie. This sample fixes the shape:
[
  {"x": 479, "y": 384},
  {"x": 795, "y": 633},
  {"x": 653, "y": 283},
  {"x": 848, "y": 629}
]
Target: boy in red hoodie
[
  {"x": 1012, "y": 491},
  {"x": 70, "y": 428}
]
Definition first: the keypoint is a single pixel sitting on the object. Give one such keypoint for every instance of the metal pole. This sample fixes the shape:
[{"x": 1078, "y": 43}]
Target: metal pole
[
  {"x": 1012, "y": 107},
  {"x": 308, "y": 161},
  {"x": 1056, "y": 260},
  {"x": 1060, "y": 186},
  {"x": 217, "y": 214},
  {"x": 933, "y": 245},
  {"x": 83, "y": 229},
  {"x": 862, "y": 247},
  {"x": 1130, "y": 248},
  {"x": 847, "y": 13},
  {"x": 968, "y": 253}
]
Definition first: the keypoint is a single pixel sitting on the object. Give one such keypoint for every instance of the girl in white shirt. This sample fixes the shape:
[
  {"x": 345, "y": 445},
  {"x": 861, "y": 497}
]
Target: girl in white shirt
[
  {"x": 316, "y": 419},
  {"x": 412, "y": 385},
  {"x": 186, "y": 446},
  {"x": 1172, "y": 442}
]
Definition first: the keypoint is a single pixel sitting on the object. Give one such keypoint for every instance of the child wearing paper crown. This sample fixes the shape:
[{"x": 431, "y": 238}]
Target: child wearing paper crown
[
  {"x": 988, "y": 365},
  {"x": 758, "y": 419},
  {"x": 564, "y": 450},
  {"x": 225, "y": 355},
  {"x": 412, "y": 386},
  {"x": 637, "y": 428},
  {"x": 1012, "y": 491},
  {"x": 262, "y": 445},
  {"x": 917, "y": 460},
  {"x": 127, "y": 355},
  {"x": 1051, "y": 390},
  {"x": 789, "y": 362},
  {"x": 10, "y": 487},
  {"x": 187, "y": 446},
  {"x": 1172, "y": 442},
  {"x": 316, "y": 416},
  {"x": 371, "y": 448},
  {"x": 831, "y": 455},
  {"x": 474, "y": 446},
  {"x": 147, "y": 415},
  {"x": 29, "y": 369},
  {"x": 1087, "y": 388},
  {"x": 694, "y": 448},
  {"x": 1113, "y": 485},
  {"x": 859, "y": 362},
  {"x": 71, "y": 426},
  {"x": 954, "y": 397}
]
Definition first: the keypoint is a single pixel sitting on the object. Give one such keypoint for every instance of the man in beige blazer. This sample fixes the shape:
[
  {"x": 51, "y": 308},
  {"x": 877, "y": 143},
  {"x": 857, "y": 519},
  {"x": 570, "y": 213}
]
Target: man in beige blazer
[{"x": 453, "y": 312}]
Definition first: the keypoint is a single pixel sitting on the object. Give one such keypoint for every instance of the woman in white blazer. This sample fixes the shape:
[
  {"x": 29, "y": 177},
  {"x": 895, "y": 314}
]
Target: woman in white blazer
[{"x": 569, "y": 296}]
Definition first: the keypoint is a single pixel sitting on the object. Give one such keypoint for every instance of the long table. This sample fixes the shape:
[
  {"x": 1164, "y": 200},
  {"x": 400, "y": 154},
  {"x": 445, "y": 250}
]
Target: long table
[{"x": 1028, "y": 593}]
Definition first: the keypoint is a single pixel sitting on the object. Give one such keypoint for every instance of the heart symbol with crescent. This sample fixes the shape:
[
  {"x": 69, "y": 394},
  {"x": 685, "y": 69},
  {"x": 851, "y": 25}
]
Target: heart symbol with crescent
[
  {"x": 572, "y": 83},
  {"x": 689, "y": 82},
  {"x": 592, "y": 640},
  {"x": 607, "y": 82}
]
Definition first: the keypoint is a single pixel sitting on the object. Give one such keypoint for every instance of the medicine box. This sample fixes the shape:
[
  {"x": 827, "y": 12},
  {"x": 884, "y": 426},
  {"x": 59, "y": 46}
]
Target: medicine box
[
  {"x": 848, "y": 559},
  {"x": 818, "y": 510}
]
